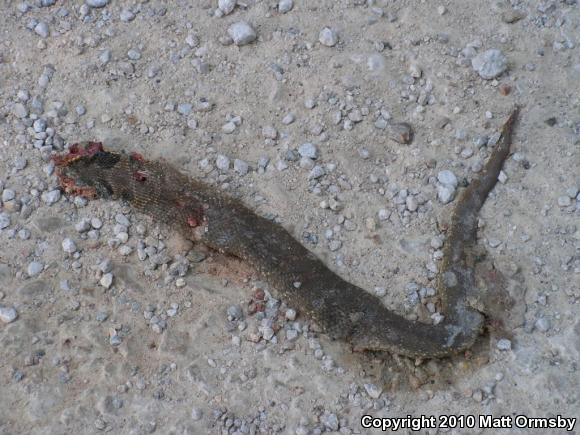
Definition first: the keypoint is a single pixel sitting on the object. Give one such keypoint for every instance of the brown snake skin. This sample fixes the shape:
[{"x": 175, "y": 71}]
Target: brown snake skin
[{"x": 344, "y": 311}]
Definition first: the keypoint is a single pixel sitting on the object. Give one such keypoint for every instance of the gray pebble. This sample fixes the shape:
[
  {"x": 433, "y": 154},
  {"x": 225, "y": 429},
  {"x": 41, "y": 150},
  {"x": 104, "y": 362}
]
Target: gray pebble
[
  {"x": 235, "y": 312},
  {"x": 285, "y": 6},
  {"x": 222, "y": 162},
  {"x": 242, "y": 33},
  {"x": 287, "y": 120},
  {"x": 105, "y": 56},
  {"x": 19, "y": 110},
  {"x": 69, "y": 246},
  {"x": 504, "y": 344},
  {"x": 196, "y": 414},
  {"x": 41, "y": 29},
  {"x": 308, "y": 150},
  {"x": 328, "y": 37},
  {"x": 269, "y": 132},
  {"x": 373, "y": 391},
  {"x": 8, "y": 195},
  {"x": 184, "y": 108},
  {"x": 489, "y": 64},
  {"x": 229, "y": 127},
  {"x": 34, "y": 268},
  {"x": 543, "y": 324},
  {"x": 121, "y": 219},
  {"x": 8, "y": 314},
  {"x": 134, "y": 54},
  {"x": 445, "y": 193},
  {"x": 39, "y": 125},
  {"x": 126, "y": 15},
  {"x": 316, "y": 172},
  {"x": 564, "y": 201},
  {"x": 97, "y": 3},
  {"x": 51, "y": 196},
  {"x": 241, "y": 167},
  {"x": 106, "y": 280},
  {"x": 227, "y": 6},
  {"x": 447, "y": 178},
  {"x": 401, "y": 132}
]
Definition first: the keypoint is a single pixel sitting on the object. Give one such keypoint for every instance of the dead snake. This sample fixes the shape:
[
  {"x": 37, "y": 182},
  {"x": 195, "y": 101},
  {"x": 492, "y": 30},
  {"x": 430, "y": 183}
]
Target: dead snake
[{"x": 344, "y": 311}]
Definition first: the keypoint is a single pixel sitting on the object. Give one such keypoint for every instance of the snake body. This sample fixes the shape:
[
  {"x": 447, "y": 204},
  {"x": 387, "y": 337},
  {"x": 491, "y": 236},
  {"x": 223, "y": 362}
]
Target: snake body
[{"x": 344, "y": 311}]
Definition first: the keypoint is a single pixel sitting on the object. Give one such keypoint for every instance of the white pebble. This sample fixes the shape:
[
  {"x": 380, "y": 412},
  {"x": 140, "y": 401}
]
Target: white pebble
[
  {"x": 242, "y": 33},
  {"x": 69, "y": 246},
  {"x": 8, "y": 314},
  {"x": 328, "y": 37}
]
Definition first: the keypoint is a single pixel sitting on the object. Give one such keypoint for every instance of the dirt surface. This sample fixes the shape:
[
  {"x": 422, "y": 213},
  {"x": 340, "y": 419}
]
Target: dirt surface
[{"x": 112, "y": 323}]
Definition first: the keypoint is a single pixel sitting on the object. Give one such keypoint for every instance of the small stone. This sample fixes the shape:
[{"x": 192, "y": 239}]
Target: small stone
[
  {"x": 373, "y": 391},
  {"x": 330, "y": 421},
  {"x": 41, "y": 29},
  {"x": 126, "y": 15},
  {"x": 229, "y": 127},
  {"x": 235, "y": 312},
  {"x": 543, "y": 324},
  {"x": 412, "y": 204},
  {"x": 328, "y": 37},
  {"x": 504, "y": 344},
  {"x": 9, "y": 195},
  {"x": 437, "y": 242},
  {"x": 19, "y": 110},
  {"x": 97, "y": 3},
  {"x": 242, "y": 33},
  {"x": 106, "y": 280},
  {"x": 196, "y": 414},
  {"x": 401, "y": 132},
  {"x": 8, "y": 314},
  {"x": 290, "y": 314},
  {"x": 512, "y": 16},
  {"x": 241, "y": 167},
  {"x": 308, "y": 150},
  {"x": 287, "y": 120},
  {"x": 39, "y": 125},
  {"x": 105, "y": 56},
  {"x": 51, "y": 196},
  {"x": 134, "y": 54},
  {"x": 489, "y": 64},
  {"x": 445, "y": 193},
  {"x": 69, "y": 246},
  {"x": 222, "y": 162},
  {"x": 504, "y": 89},
  {"x": 564, "y": 201},
  {"x": 447, "y": 178},
  {"x": 227, "y": 6},
  {"x": 34, "y": 268},
  {"x": 96, "y": 223},
  {"x": 316, "y": 172},
  {"x": 494, "y": 243},
  {"x": 285, "y": 6},
  {"x": 502, "y": 177}
]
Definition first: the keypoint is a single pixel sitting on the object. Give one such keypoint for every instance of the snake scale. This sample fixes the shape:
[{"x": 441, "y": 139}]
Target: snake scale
[{"x": 344, "y": 311}]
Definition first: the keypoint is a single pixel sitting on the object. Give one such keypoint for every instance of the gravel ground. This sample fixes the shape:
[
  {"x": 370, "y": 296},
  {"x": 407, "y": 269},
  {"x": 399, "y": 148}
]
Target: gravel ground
[{"x": 352, "y": 123}]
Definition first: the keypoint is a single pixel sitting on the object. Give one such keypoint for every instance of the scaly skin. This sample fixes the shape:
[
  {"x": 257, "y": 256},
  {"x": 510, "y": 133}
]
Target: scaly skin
[{"x": 344, "y": 311}]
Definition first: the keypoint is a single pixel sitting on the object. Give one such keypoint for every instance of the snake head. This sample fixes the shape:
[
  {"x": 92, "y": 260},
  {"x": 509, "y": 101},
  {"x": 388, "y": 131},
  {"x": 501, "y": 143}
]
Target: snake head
[{"x": 79, "y": 170}]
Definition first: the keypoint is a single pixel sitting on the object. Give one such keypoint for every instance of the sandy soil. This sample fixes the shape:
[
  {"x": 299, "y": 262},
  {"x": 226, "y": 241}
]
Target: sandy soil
[{"x": 162, "y": 347}]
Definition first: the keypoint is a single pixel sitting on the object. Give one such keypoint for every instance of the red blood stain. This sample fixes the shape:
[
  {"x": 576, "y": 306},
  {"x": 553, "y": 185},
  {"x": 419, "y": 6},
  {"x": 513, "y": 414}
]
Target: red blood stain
[{"x": 140, "y": 176}]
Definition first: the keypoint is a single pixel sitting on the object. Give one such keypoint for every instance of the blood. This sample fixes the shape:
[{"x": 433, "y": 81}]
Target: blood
[{"x": 140, "y": 176}]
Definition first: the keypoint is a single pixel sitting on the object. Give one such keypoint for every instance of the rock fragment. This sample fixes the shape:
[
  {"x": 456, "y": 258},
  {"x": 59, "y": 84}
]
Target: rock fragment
[
  {"x": 242, "y": 33},
  {"x": 489, "y": 64}
]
